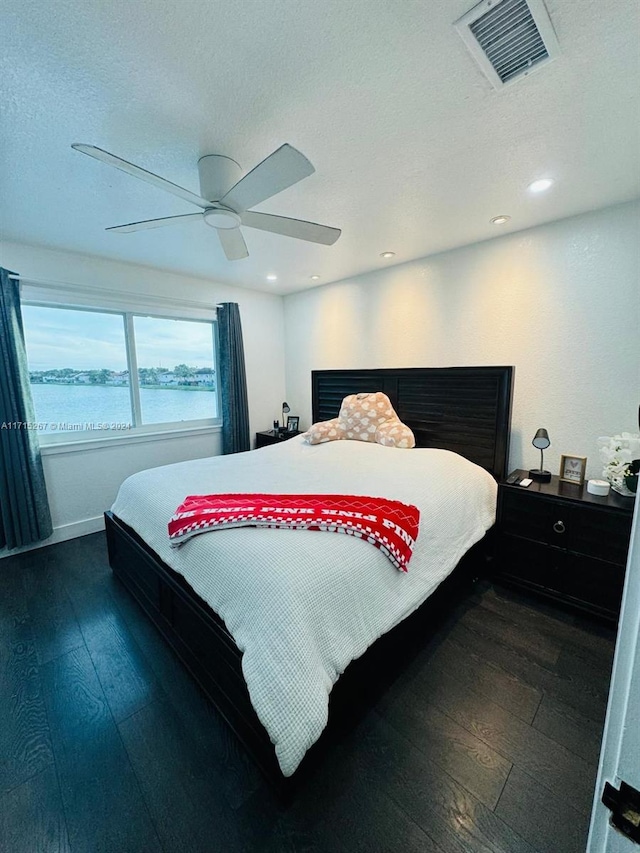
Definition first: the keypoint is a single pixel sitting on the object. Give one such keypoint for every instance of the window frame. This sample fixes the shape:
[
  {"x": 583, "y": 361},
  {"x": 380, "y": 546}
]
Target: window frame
[{"x": 83, "y": 439}]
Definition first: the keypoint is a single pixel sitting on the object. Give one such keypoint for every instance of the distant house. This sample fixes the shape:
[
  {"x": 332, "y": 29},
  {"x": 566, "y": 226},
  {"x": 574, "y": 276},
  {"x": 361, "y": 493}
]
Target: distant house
[
  {"x": 168, "y": 378},
  {"x": 119, "y": 378},
  {"x": 206, "y": 377},
  {"x": 81, "y": 378}
]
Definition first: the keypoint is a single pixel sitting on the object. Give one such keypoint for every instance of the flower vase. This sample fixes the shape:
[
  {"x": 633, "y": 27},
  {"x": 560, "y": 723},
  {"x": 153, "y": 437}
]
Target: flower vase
[
  {"x": 617, "y": 453},
  {"x": 621, "y": 489}
]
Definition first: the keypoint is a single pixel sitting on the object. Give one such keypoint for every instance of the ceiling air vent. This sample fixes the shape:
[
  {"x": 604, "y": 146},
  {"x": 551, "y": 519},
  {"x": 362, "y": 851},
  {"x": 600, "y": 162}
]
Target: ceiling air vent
[{"x": 508, "y": 38}]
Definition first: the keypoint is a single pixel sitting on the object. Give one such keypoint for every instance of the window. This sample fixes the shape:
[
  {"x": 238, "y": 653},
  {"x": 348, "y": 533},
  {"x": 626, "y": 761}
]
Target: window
[
  {"x": 175, "y": 369},
  {"x": 80, "y": 364}
]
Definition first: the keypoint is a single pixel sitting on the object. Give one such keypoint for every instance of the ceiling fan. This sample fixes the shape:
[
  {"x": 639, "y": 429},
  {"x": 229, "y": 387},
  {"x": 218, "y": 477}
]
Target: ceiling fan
[{"x": 225, "y": 198}]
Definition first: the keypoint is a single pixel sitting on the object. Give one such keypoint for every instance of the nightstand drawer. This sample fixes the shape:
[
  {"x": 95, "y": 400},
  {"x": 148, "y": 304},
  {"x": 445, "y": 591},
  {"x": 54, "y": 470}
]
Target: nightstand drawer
[
  {"x": 534, "y": 565},
  {"x": 593, "y": 585},
  {"x": 604, "y": 535},
  {"x": 547, "y": 521},
  {"x": 582, "y": 529}
]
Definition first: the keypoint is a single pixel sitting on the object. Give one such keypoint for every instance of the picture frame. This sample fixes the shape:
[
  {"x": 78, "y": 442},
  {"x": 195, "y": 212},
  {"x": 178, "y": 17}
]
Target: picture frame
[
  {"x": 293, "y": 423},
  {"x": 572, "y": 468}
]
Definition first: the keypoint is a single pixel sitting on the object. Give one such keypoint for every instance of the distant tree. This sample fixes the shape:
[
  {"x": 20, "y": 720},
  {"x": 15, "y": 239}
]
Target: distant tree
[
  {"x": 183, "y": 371},
  {"x": 62, "y": 372},
  {"x": 98, "y": 377},
  {"x": 148, "y": 375}
]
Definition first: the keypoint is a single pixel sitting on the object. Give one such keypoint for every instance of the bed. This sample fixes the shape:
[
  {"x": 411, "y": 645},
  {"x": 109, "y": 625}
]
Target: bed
[{"x": 267, "y": 670}]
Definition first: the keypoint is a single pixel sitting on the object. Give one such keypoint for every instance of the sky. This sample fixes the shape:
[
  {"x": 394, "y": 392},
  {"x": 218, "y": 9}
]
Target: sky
[{"x": 87, "y": 340}]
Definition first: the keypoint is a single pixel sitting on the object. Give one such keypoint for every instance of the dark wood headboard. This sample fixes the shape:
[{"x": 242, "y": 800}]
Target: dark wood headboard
[{"x": 464, "y": 409}]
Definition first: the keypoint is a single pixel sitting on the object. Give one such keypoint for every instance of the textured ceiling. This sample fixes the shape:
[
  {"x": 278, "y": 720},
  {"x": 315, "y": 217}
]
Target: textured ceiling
[{"x": 414, "y": 150}]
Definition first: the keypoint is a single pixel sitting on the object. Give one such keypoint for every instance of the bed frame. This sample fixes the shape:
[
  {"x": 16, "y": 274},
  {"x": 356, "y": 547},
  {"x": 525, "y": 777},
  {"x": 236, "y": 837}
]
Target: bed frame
[{"x": 465, "y": 409}]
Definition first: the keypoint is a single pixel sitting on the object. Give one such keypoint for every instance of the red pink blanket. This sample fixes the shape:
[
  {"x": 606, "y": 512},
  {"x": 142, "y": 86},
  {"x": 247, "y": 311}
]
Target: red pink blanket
[{"x": 391, "y": 526}]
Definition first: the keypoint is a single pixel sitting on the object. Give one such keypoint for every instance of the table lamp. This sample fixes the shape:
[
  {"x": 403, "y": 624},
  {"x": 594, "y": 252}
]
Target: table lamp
[
  {"x": 541, "y": 442},
  {"x": 285, "y": 408}
]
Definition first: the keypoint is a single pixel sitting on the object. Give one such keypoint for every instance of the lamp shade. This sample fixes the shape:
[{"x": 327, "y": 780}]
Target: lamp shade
[
  {"x": 540, "y": 442},
  {"x": 285, "y": 408},
  {"x": 541, "y": 439}
]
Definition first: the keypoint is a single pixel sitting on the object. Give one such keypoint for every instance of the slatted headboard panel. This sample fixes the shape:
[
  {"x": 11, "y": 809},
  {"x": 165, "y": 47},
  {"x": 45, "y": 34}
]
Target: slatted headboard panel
[{"x": 464, "y": 409}]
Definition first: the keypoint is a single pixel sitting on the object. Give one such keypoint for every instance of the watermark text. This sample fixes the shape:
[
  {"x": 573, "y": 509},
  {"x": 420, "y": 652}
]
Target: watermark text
[{"x": 66, "y": 426}]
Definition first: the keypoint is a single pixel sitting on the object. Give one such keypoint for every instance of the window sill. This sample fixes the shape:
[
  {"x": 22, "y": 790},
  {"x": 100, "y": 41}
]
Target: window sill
[{"x": 132, "y": 437}]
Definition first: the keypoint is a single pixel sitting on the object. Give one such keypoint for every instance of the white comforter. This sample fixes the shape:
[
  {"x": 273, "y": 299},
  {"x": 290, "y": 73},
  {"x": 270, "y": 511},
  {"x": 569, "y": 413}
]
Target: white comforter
[{"x": 302, "y": 604}]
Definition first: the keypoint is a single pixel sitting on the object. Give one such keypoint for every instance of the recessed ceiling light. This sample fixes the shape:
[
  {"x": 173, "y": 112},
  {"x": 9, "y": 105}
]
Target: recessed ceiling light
[
  {"x": 314, "y": 277},
  {"x": 541, "y": 185},
  {"x": 272, "y": 278},
  {"x": 387, "y": 254},
  {"x": 500, "y": 220}
]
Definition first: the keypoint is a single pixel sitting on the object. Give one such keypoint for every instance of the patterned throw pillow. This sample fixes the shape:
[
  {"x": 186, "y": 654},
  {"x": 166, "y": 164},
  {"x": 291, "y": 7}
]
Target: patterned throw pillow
[{"x": 364, "y": 417}]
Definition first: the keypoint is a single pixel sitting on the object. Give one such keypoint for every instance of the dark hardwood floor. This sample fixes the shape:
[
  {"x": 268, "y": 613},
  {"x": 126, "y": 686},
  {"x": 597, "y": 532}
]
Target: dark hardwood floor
[{"x": 487, "y": 742}]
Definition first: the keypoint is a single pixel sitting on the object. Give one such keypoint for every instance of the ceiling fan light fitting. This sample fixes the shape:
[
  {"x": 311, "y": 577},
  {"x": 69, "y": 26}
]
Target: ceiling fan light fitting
[
  {"x": 217, "y": 175},
  {"x": 222, "y": 218}
]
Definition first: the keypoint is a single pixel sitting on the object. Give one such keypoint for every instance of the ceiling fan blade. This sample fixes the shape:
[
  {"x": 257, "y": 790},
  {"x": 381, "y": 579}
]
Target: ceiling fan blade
[
  {"x": 280, "y": 170},
  {"x": 142, "y": 174},
  {"x": 152, "y": 223},
  {"x": 297, "y": 228},
  {"x": 233, "y": 243}
]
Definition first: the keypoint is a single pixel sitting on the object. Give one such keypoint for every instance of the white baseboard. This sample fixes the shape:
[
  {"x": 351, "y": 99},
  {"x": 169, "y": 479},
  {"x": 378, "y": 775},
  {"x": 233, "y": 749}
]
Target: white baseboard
[{"x": 61, "y": 534}]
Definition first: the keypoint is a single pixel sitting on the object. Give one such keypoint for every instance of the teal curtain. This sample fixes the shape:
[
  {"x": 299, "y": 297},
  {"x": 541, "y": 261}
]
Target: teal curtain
[
  {"x": 233, "y": 380},
  {"x": 24, "y": 508}
]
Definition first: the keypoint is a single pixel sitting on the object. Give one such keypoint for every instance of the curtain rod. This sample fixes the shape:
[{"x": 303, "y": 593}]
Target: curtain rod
[{"x": 109, "y": 291}]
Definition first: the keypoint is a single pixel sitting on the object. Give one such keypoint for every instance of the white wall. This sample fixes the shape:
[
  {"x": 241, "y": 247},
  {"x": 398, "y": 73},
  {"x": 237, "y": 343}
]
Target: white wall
[
  {"x": 82, "y": 484},
  {"x": 561, "y": 302}
]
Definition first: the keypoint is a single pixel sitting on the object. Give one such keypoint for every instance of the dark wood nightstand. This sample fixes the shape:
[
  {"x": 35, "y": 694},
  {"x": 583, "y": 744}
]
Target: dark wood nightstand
[
  {"x": 272, "y": 436},
  {"x": 557, "y": 539}
]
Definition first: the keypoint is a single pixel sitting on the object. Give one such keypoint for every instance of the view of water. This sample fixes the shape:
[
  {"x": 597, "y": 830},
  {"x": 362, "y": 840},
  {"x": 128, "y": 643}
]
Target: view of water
[{"x": 65, "y": 408}]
